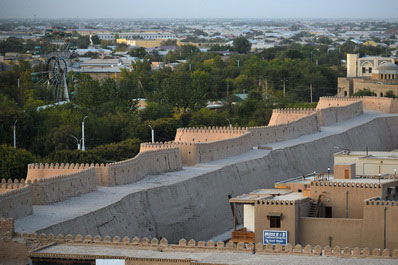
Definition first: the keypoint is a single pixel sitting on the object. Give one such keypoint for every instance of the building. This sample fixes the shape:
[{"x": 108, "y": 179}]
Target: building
[
  {"x": 377, "y": 74},
  {"x": 146, "y": 35},
  {"x": 369, "y": 164},
  {"x": 103, "y": 68},
  {"x": 321, "y": 209}
]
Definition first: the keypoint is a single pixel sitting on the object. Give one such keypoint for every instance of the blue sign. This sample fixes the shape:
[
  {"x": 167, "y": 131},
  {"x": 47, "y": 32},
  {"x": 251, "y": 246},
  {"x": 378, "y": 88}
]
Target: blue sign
[{"x": 275, "y": 237}]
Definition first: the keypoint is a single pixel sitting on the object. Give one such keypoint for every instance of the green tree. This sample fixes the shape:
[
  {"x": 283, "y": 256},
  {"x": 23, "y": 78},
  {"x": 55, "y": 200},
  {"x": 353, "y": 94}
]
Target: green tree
[
  {"x": 14, "y": 162},
  {"x": 364, "y": 92},
  {"x": 241, "y": 45}
]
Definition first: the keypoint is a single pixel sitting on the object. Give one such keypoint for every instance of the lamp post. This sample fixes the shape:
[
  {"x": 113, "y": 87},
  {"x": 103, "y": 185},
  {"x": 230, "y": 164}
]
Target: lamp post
[
  {"x": 15, "y": 133},
  {"x": 83, "y": 145},
  {"x": 77, "y": 141},
  {"x": 152, "y": 133},
  {"x": 114, "y": 69},
  {"x": 311, "y": 92},
  {"x": 284, "y": 80},
  {"x": 328, "y": 173},
  {"x": 230, "y": 125}
]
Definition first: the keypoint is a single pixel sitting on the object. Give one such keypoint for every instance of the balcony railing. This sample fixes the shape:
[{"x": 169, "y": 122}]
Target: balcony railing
[{"x": 242, "y": 235}]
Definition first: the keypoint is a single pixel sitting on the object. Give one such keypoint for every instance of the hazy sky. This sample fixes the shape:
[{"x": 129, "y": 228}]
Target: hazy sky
[{"x": 199, "y": 8}]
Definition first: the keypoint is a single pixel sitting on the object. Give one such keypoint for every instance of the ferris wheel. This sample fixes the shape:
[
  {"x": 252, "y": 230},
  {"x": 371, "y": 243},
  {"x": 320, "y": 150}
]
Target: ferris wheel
[
  {"x": 57, "y": 69},
  {"x": 54, "y": 76}
]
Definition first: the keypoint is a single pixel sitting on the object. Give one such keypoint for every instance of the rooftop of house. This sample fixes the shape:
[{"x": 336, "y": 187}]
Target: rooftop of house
[
  {"x": 292, "y": 196},
  {"x": 393, "y": 154}
]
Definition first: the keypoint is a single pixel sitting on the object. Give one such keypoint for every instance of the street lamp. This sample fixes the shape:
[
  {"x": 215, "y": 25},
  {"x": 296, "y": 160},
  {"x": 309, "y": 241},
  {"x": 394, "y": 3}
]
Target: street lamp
[
  {"x": 83, "y": 145},
  {"x": 15, "y": 133},
  {"x": 328, "y": 172},
  {"x": 230, "y": 125},
  {"x": 152, "y": 133},
  {"x": 77, "y": 141},
  {"x": 284, "y": 80},
  {"x": 311, "y": 92},
  {"x": 114, "y": 68}
]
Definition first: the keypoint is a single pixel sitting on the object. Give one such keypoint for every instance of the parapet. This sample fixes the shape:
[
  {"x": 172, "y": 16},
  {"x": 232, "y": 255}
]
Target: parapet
[
  {"x": 163, "y": 245},
  {"x": 346, "y": 184},
  {"x": 294, "y": 110}
]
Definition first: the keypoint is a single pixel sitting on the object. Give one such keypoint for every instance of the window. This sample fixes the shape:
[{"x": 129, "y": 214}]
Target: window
[
  {"x": 363, "y": 70},
  {"x": 275, "y": 222},
  {"x": 328, "y": 212},
  {"x": 370, "y": 70}
]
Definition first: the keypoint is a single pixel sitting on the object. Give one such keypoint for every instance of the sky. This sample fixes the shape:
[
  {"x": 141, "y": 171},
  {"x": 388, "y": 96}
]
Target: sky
[{"x": 199, "y": 9}]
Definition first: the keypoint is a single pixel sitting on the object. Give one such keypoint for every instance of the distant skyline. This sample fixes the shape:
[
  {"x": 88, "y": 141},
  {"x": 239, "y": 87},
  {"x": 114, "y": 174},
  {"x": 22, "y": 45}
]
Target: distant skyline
[{"x": 199, "y": 9}]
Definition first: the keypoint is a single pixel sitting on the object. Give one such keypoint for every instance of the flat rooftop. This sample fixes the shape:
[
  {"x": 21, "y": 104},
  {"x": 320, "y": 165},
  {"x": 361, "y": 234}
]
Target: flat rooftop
[
  {"x": 367, "y": 181},
  {"x": 393, "y": 154},
  {"x": 260, "y": 194},
  {"x": 213, "y": 257},
  {"x": 289, "y": 197}
]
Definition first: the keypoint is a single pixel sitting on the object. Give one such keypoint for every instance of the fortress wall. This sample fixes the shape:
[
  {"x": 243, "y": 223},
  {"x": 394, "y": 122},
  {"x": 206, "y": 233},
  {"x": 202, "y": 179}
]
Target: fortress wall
[
  {"x": 144, "y": 163},
  {"x": 183, "y": 245},
  {"x": 42, "y": 171},
  {"x": 16, "y": 200},
  {"x": 331, "y": 115},
  {"x": 199, "y": 206},
  {"x": 59, "y": 188},
  {"x": 326, "y": 102},
  {"x": 283, "y": 132},
  {"x": 207, "y": 134},
  {"x": 283, "y": 116},
  {"x": 375, "y": 214},
  {"x": 224, "y": 148},
  {"x": 387, "y": 105},
  {"x": 344, "y": 232}
]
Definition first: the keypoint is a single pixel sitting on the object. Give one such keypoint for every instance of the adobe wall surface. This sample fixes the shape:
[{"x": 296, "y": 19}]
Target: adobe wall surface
[
  {"x": 42, "y": 171},
  {"x": 380, "y": 219},
  {"x": 198, "y": 207},
  {"x": 331, "y": 115},
  {"x": 6, "y": 228},
  {"x": 335, "y": 195},
  {"x": 271, "y": 134},
  {"x": 343, "y": 232},
  {"x": 59, "y": 188},
  {"x": 143, "y": 164},
  {"x": 289, "y": 211},
  {"x": 383, "y": 104},
  {"x": 207, "y": 134},
  {"x": 283, "y": 116},
  {"x": 16, "y": 202}
]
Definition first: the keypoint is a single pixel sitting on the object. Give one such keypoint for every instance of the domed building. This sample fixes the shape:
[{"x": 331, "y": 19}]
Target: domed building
[
  {"x": 377, "y": 74},
  {"x": 386, "y": 71}
]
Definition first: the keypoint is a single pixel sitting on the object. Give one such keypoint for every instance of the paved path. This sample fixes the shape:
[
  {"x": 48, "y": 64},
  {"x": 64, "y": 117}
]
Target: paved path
[{"x": 48, "y": 215}]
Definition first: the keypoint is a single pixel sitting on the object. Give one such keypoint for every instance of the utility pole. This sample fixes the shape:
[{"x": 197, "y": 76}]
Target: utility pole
[
  {"x": 83, "y": 145},
  {"x": 15, "y": 134},
  {"x": 238, "y": 63},
  {"x": 311, "y": 92}
]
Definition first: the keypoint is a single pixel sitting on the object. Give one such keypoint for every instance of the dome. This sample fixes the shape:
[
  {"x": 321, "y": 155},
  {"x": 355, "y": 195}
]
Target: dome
[{"x": 388, "y": 67}]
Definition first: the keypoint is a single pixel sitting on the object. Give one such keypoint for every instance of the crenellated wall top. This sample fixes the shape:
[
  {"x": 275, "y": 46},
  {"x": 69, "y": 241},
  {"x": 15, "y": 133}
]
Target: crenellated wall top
[
  {"x": 60, "y": 166},
  {"x": 155, "y": 244},
  {"x": 346, "y": 184},
  {"x": 295, "y": 111}
]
